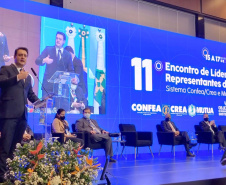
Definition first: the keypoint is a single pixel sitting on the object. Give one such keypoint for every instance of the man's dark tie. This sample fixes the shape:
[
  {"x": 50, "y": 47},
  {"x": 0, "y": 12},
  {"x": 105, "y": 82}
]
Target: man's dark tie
[
  {"x": 59, "y": 55},
  {"x": 94, "y": 127},
  {"x": 20, "y": 71}
]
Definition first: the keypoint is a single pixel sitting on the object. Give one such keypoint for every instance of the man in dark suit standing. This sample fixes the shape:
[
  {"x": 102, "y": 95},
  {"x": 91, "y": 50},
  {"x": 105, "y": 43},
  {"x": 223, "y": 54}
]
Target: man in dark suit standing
[
  {"x": 98, "y": 134},
  {"x": 207, "y": 125},
  {"x": 15, "y": 84},
  {"x": 56, "y": 58},
  {"x": 169, "y": 126}
]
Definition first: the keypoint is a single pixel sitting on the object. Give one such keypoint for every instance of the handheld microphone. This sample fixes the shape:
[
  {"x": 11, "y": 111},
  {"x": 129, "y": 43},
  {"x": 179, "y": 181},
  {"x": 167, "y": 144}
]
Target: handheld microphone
[{"x": 33, "y": 71}]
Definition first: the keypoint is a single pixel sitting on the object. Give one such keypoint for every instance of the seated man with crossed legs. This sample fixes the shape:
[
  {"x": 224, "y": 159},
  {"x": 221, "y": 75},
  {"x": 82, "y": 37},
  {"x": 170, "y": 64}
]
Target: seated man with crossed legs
[
  {"x": 207, "y": 125},
  {"x": 169, "y": 126},
  {"x": 98, "y": 134}
]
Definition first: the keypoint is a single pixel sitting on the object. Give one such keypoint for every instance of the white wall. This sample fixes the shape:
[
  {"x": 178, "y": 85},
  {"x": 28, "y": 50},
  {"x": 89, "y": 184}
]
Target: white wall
[
  {"x": 43, "y": 1},
  {"x": 147, "y": 14},
  {"x": 215, "y": 30},
  {"x": 137, "y": 12}
]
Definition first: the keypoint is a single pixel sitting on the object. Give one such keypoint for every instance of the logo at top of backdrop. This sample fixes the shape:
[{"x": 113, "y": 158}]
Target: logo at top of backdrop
[
  {"x": 165, "y": 109},
  {"x": 213, "y": 58},
  {"x": 191, "y": 110},
  {"x": 205, "y": 52}
]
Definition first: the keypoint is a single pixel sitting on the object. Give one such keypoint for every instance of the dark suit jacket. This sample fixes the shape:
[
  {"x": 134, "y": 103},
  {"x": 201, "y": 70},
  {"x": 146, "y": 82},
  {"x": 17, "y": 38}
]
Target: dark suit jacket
[
  {"x": 165, "y": 126},
  {"x": 205, "y": 127},
  {"x": 14, "y": 94},
  {"x": 65, "y": 64},
  {"x": 82, "y": 125},
  {"x": 78, "y": 66},
  {"x": 3, "y": 49}
]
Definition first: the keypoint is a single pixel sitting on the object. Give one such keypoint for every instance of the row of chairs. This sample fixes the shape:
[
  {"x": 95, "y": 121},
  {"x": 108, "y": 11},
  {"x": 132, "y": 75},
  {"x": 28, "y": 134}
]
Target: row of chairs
[
  {"x": 128, "y": 132},
  {"x": 137, "y": 139},
  {"x": 203, "y": 137}
]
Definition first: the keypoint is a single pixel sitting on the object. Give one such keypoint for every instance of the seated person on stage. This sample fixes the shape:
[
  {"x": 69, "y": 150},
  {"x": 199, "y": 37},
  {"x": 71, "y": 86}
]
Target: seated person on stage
[
  {"x": 60, "y": 125},
  {"x": 169, "y": 126},
  {"x": 77, "y": 97},
  {"x": 28, "y": 135},
  {"x": 86, "y": 124},
  {"x": 207, "y": 125}
]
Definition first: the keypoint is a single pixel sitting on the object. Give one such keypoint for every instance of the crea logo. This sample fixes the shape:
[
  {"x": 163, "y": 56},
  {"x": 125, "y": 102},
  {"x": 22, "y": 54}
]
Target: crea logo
[
  {"x": 165, "y": 109},
  {"x": 174, "y": 109}
]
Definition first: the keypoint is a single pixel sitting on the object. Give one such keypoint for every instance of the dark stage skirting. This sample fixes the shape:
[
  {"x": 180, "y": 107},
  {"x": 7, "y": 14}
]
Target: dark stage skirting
[{"x": 218, "y": 181}]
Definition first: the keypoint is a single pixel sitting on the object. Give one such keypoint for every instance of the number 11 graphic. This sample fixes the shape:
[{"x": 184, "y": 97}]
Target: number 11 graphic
[{"x": 138, "y": 65}]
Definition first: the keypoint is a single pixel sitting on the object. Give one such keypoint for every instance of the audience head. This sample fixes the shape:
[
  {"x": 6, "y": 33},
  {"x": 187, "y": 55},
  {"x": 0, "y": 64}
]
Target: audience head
[
  {"x": 69, "y": 49},
  {"x": 86, "y": 113},
  {"x": 206, "y": 117},
  {"x": 60, "y": 114},
  {"x": 168, "y": 117},
  {"x": 60, "y": 39}
]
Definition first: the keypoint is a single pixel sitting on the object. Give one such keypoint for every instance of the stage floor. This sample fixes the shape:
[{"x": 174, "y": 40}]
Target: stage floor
[{"x": 165, "y": 169}]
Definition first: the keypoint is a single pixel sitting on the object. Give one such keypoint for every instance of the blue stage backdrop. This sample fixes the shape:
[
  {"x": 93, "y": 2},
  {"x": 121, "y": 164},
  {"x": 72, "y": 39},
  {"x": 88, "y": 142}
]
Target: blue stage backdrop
[{"x": 149, "y": 73}]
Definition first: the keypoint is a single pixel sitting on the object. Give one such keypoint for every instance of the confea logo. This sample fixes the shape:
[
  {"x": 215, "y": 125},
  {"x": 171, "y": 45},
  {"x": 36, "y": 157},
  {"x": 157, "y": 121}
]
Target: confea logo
[{"x": 146, "y": 109}]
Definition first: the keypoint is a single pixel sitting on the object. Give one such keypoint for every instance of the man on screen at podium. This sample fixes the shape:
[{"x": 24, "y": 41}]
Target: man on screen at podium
[
  {"x": 207, "y": 125},
  {"x": 56, "y": 58},
  {"x": 169, "y": 126},
  {"x": 16, "y": 88}
]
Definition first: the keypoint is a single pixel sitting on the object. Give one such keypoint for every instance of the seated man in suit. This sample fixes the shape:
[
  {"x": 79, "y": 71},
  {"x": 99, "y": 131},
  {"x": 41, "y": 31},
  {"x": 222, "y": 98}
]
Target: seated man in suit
[
  {"x": 207, "y": 125},
  {"x": 77, "y": 97},
  {"x": 28, "y": 135},
  {"x": 169, "y": 126},
  {"x": 98, "y": 134}
]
